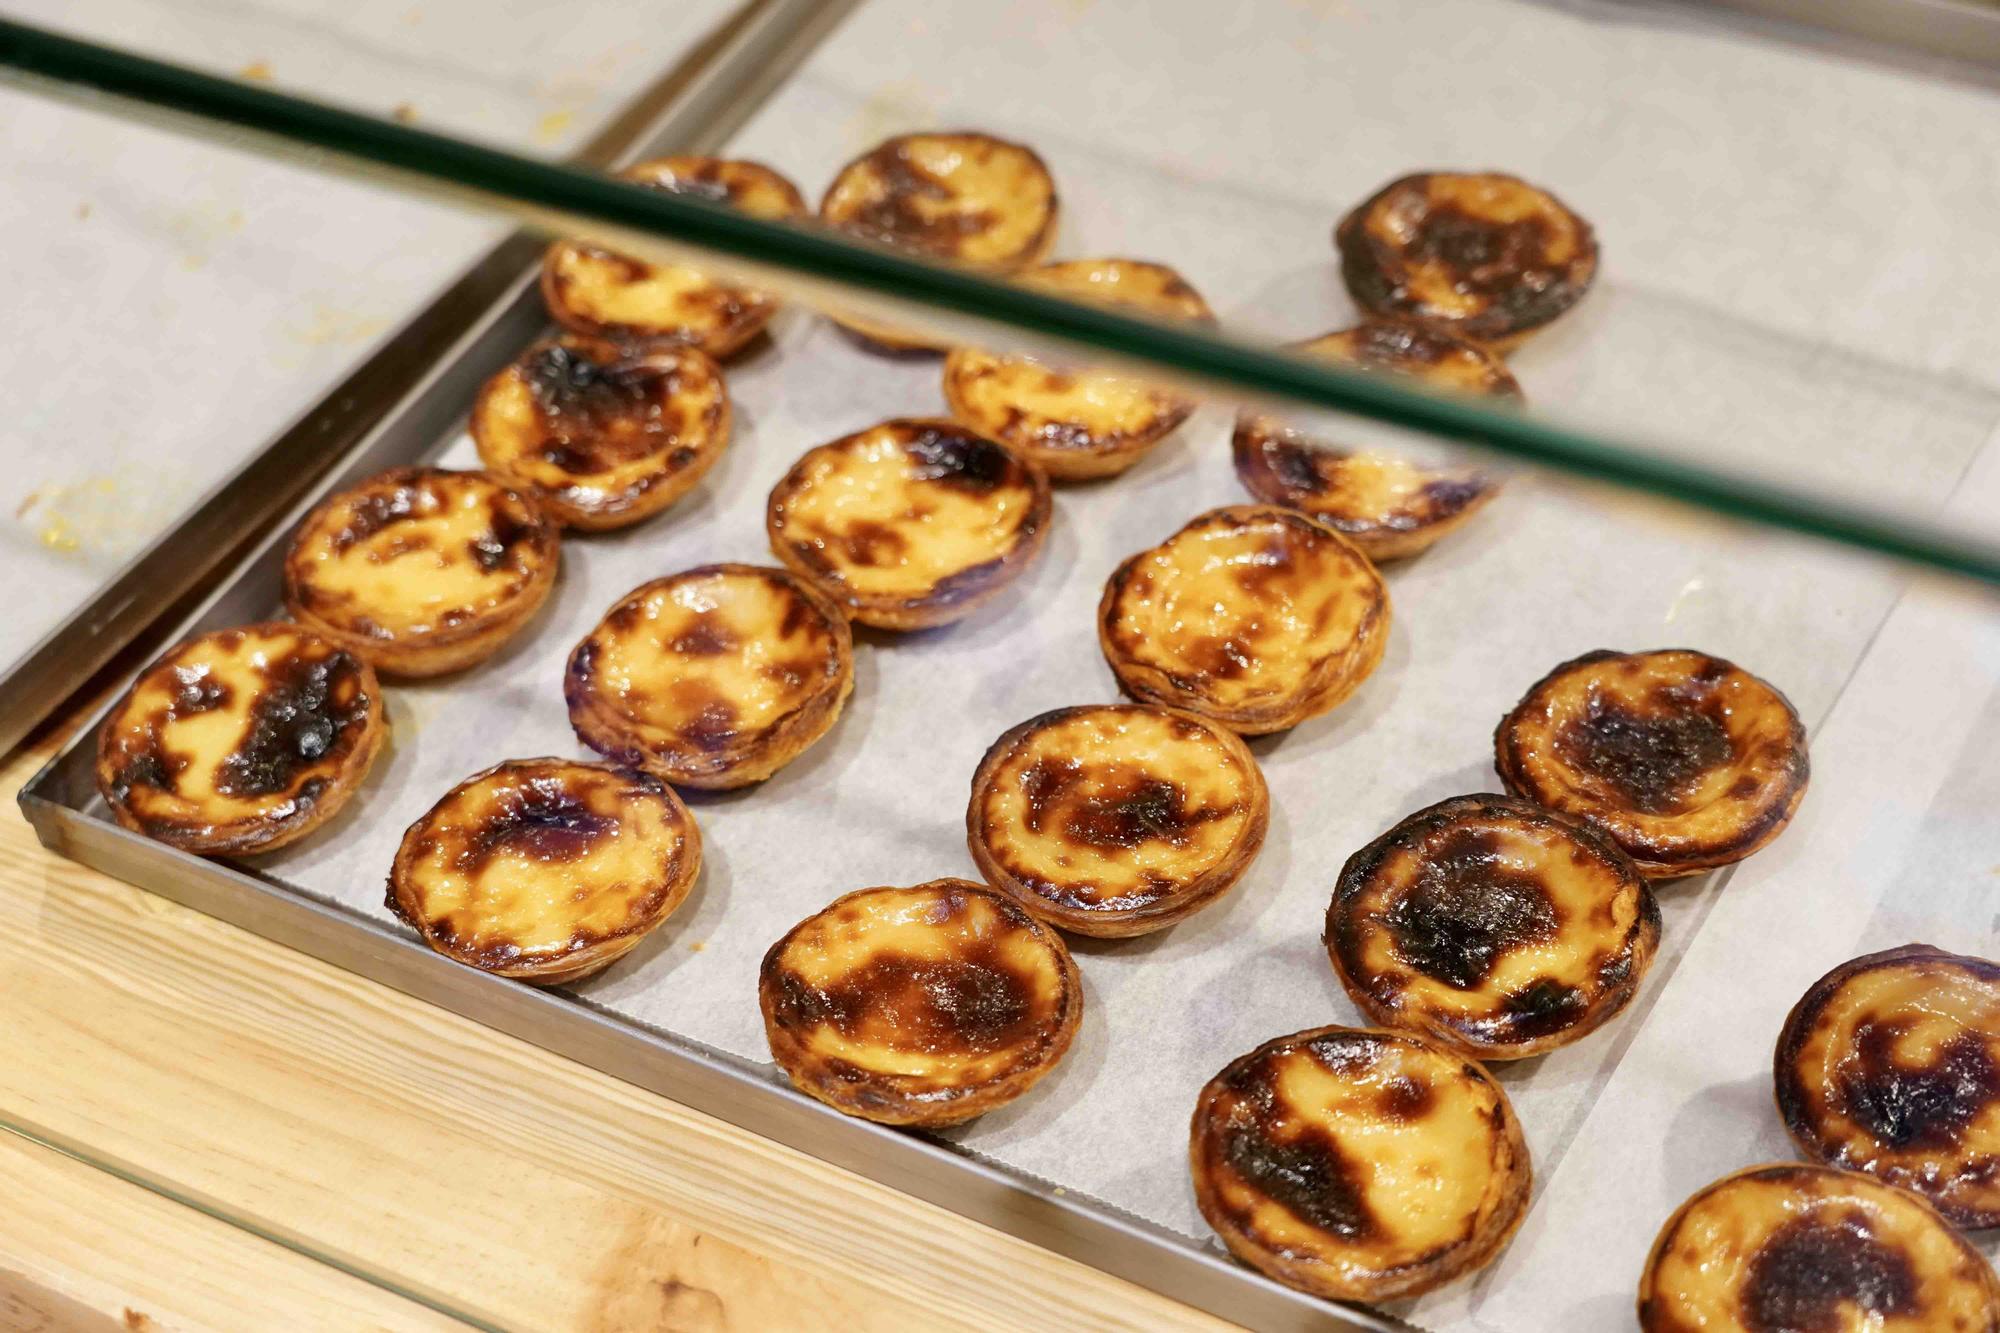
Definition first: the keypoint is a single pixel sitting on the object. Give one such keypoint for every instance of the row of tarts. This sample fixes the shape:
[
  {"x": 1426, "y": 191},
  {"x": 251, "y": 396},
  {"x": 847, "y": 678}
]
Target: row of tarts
[{"x": 1353, "y": 1163}]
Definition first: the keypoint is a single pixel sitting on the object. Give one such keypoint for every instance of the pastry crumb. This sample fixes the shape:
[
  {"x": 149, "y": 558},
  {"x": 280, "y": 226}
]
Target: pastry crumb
[
  {"x": 696, "y": 946},
  {"x": 403, "y": 114},
  {"x": 257, "y": 71}
]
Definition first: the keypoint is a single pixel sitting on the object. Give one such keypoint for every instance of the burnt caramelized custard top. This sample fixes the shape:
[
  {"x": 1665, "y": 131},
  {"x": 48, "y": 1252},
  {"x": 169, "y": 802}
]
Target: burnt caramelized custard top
[
  {"x": 1805, "y": 1249},
  {"x": 964, "y": 197},
  {"x": 1890, "y": 1064},
  {"x": 240, "y": 740},
  {"x": 922, "y": 1005}
]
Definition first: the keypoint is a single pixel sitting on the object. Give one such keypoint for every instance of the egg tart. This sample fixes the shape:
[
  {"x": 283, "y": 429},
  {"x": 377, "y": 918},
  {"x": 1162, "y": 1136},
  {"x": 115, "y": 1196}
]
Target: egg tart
[
  {"x": 911, "y": 523},
  {"x": 1890, "y": 1065},
  {"x": 1388, "y": 506},
  {"x": 546, "y": 870},
  {"x": 602, "y": 436},
  {"x": 1686, "y": 761},
  {"x": 714, "y": 677},
  {"x": 1078, "y": 423},
  {"x": 1255, "y": 616},
  {"x": 241, "y": 740},
  {"x": 604, "y": 295},
  {"x": 1486, "y": 256},
  {"x": 1494, "y": 927},
  {"x": 920, "y": 1006},
  {"x": 952, "y": 198},
  {"x": 1786, "y": 1248},
  {"x": 1358, "y": 1164},
  {"x": 1116, "y": 819},
  {"x": 420, "y": 570}
]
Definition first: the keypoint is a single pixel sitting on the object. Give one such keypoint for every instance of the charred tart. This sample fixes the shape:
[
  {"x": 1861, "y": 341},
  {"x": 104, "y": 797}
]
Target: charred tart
[
  {"x": 242, "y": 740},
  {"x": 1492, "y": 926},
  {"x": 602, "y": 436},
  {"x": 911, "y": 523},
  {"x": 1688, "y": 762},
  {"x": 1387, "y": 506},
  {"x": 1256, "y": 616},
  {"x": 420, "y": 570},
  {"x": 953, "y": 198},
  {"x": 1787, "y": 1248},
  {"x": 1357, "y": 1164},
  {"x": 1086, "y": 423},
  {"x": 919, "y": 1006},
  {"x": 546, "y": 870},
  {"x": 604, "y": 295},
  {"x": 714, "y": 677},
  {"x": 1489, "y": 257},
  {"x": 1116, "y": 819},
  {"x": 1890, "y": 1064}
]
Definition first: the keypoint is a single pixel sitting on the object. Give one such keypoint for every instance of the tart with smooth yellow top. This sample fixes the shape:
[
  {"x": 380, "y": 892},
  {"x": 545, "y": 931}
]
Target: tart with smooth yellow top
[
  {"x": 1686, "y": 761},
  {"x": 1492, "y": 926},
  {"x": 546, "y": 870},
  {"x": 602, "y": 436},
  {"x": 420, "y": 570},
  {"x": 1388, "y": 506},
  {"x": 241, "y": 740},
  {"x": 1786, "y": 1248},
  {"x": 953, "y": 198},
  {"x": 1489, "y": 257},
  {"x": 1116, "y": 819},
  {"x": 919, "y": 1006},
  {"x": 1357, "y": 1164},
  {"x": 715, "y": 677},
  {"x": 911, "y": 523},
  {"x": 605, "y": 295},
  {"x": 1890, "y": 1065},
  {"x": 1255, "y": 616},
  {"x": 1078, "y": 423}
]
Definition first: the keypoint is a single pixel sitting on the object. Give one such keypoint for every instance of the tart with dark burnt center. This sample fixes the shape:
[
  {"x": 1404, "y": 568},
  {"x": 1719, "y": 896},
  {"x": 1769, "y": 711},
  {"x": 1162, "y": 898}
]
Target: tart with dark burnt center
[
  {"x": 715, "y": 677},
  {"x": 1078, "y": 423},
  {"x": 954, "y": 198},
  {"x": 1787, "y": 1248},
  {"x": 602, "y": 436},
  {"x": 241, "y": 740},
  {"x": 1686, "y": 761},
  {"x": 1255, "y": 616},
  {"x": 546, "y": 870},
  {"x": 909, "y": 524},
  {"x": 605, "y": 295},
  {"x": 1890, "y": 1065},
  {"x": 919, "y": 1006},
  {"x": 420, "y": 570},
  {"x": 1116, "y": 819},
  {"x": 1388, "y": 506},
  {"x": 1493, "y": 926},
  {"x": 1359, "y": 1165},
  {"x": 1489, "y": 257}
]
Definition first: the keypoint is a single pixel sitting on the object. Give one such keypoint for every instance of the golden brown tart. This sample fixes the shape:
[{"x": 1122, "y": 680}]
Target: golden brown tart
[
  {"x": 546, "y": 870},
  {"x": 1256, "y": 616},
  {"x": 1116, "y": 819},
  {"x": 1787, "y": 1248},
  {"x": 1890, "y": 1064},
  {"x": 1487, "y": 256},
  {"x": 714, "y": 677},
  {"x": 1358, "y": 1164},
  {"x": 602, "y": 436},
  {"x": 911, "y": 523},
  {"x": 420, "y": 570},
  {"x": 1492, "y": 926},
  {"x": 605, "y": 295},
  {"x": 1688, "y": 762},
  {"x": 1388, "y": 506},
  {"x": 955, "y": 198},
  {"x": 241, "y": 740},
  {"x": 1078, "y": 423},
  {"x": 919, "y": 1006}
]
